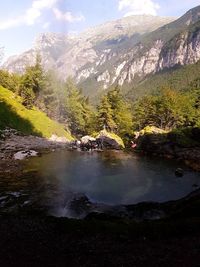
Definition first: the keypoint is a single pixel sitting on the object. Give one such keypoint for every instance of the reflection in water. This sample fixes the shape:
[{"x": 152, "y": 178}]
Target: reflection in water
[{"x": 110, "y": 177}]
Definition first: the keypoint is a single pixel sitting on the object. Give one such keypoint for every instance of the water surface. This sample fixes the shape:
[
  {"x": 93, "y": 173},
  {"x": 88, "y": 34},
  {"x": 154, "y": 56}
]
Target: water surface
[{"x": 110, "y": 177}]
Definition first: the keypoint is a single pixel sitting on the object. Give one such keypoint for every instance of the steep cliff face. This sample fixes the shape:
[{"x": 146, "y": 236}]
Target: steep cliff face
[
  {"x": 73, "y": 55},
  {"x": 182, "y": 50},
  {"x": 177, "y": 43}
]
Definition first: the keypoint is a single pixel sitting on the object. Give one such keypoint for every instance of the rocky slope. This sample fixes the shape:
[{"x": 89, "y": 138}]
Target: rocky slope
[
  {"x": 177, "y": 43},
  {"x": 71, "y": 55}
]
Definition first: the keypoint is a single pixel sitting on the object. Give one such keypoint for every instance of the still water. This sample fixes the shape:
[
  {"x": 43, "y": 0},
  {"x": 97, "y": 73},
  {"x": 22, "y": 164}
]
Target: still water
[{"x": 110, "y": 177}]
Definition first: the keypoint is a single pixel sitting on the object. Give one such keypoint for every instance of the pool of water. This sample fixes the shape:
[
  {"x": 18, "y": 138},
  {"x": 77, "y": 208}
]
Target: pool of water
[{"x": 110, "y": 177}]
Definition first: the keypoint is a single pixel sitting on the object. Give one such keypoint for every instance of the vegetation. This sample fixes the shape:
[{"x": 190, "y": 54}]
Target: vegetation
[
  {"x": 169, "y": 100},
  {"x": 114, "y": 113},
  {"x": 32, "y": 84},
  {"x": 180, "y": 78},
  {"x": 166, "y": 110},
  {"x": 13, "y": 114},
  {"x": 76, "y": 109}
]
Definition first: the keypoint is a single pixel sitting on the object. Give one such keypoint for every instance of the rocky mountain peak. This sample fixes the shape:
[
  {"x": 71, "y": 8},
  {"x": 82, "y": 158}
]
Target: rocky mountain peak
[
  {"x": 67, "y": 54},
  {"x": 118, "y": 52}
]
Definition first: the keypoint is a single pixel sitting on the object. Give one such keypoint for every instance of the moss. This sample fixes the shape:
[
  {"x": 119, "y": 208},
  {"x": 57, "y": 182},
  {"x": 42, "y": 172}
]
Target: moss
[
  {"x": 13, "y": 114},
  {"x": 112, "y": 136},
  {"x": 152, "y": 130}
]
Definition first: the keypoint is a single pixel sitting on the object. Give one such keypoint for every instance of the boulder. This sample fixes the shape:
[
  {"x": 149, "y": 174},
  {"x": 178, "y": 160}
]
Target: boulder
[
  {"x": 87, "y": 138},
  {"x": 110, "y": 140},
  {"x": 179, "y": 172},
  {"x": 152, "y": 140},
  {"x": 195, "y": 132},
  {"x": 25, "y": 154},
  {"x": 149, "y": 130}
]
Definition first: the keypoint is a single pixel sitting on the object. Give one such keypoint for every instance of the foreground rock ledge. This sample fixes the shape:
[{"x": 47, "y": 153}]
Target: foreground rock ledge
[{"x": 16, "y": 143}]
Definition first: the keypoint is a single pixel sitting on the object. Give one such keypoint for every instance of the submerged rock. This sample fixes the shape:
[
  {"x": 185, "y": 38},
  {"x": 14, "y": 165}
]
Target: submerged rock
[{"x": 179, "y": 172}]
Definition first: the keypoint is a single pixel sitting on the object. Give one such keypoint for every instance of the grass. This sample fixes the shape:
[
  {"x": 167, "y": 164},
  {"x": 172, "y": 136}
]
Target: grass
[{"x": 14, "y": 115}]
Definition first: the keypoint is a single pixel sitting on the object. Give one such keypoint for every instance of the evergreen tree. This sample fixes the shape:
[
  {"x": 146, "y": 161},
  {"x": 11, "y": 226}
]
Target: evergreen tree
[
  {"x": 105, "y": 115},
  {"x": 32, "y": 83},
  {"x": 77, "y": 109},
  {"x": 49, "y": 97},
  {"x": 121, "y": 111},
  {"x": 9, "y": 81}
]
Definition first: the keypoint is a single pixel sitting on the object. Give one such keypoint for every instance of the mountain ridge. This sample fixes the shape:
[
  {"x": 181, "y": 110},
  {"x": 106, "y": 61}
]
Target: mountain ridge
[
  {"x": 98, "y": 58},
  {"x": 61, "y": 51}
]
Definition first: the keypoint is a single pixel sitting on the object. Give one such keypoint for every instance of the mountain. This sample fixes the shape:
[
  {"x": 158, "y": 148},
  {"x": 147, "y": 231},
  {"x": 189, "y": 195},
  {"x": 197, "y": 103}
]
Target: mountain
[
  {"x": 121, "y": 52},
  {"x": 180, "y": 78},
  {"x": 176, "y": 43},
  {"x": 71, "y": 55}
]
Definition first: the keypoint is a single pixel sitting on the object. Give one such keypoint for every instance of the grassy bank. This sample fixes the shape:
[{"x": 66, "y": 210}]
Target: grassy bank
[{"x": 14, "y": 115}]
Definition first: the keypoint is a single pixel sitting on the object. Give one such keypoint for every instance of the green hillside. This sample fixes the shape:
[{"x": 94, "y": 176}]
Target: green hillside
[
  {"x": 13, "y": 114},
  {"x": 179, "y": 78}
]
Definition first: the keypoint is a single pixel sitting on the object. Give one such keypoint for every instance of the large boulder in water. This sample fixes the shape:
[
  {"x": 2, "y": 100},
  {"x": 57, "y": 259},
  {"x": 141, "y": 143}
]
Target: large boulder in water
[
  {"x": 150, "y": 130},
  {"x": 110, "y": 140},
  {"x": 153, "y": 140}
]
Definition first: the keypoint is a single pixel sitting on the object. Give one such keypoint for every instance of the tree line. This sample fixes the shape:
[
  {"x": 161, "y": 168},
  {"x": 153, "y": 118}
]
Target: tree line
[{"x": 167, "y": 109}]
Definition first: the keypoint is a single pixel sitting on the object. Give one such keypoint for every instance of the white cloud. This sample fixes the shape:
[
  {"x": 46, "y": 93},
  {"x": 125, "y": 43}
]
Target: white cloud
[
  {"x": 41, "y": 4},
  {"x": 30, "y": 16},
  {"x": 138, "y": 7},
  {"x": 67, "y": 16}
]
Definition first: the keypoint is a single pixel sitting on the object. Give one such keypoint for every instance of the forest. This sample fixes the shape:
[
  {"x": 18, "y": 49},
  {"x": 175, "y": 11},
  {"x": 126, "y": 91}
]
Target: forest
[{"x": 167, "y": 108}]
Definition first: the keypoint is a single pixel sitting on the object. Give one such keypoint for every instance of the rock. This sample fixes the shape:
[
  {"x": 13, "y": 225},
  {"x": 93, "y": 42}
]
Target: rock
[
  {"x": 149, "y": 130},
  {"x": 110, "y": 140},
  {"x": 25, "y": 154},
  {"x": 87, "y": 138},
  {"x": 195, "y": 133},
  {"x": 179, "y": 172}
]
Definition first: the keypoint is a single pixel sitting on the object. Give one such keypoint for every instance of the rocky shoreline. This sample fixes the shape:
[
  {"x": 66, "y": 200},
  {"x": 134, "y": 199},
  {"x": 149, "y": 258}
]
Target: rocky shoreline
[
  {"x": 167, "y": 145},
  {"x": 13, "y": 142}
]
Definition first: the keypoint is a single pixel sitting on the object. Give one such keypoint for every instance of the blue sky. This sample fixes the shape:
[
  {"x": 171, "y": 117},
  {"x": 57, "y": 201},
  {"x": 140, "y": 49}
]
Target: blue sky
[{"x": 21, "y": 21}]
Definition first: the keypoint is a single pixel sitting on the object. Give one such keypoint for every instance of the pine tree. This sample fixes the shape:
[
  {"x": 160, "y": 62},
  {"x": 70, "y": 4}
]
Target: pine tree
[
  {"x": 105, "y": 115},
  {"x": 121, "y": 110},
  {"x": 77, "y": 109},
  {"x": 32, "y": 83}
]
